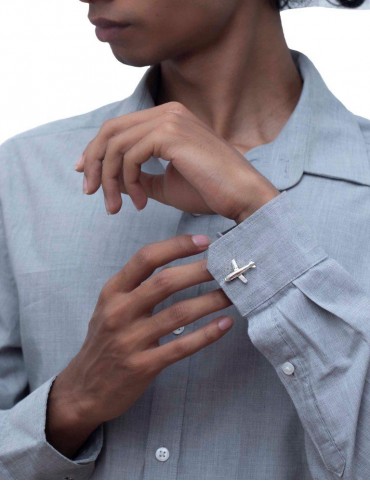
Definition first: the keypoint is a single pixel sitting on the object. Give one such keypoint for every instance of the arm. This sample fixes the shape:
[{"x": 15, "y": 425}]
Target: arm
[
  {"x": 305, "y": 309},
  {"x": 24, "y": 451}
]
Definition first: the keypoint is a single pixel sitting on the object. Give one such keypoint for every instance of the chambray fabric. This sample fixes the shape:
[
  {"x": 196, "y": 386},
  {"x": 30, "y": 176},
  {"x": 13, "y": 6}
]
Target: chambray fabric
[{"x": 229, "y": 411}]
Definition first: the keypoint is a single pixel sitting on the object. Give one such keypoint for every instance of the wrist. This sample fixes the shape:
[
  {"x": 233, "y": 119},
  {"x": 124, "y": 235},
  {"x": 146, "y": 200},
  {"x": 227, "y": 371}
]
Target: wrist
[
  {"x": 67, "y": 425},
  {"x": 257, "y": 201}
]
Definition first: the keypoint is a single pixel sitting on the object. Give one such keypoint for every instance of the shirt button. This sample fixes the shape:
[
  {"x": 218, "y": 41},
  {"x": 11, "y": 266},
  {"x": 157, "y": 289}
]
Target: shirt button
[
  {"x": 288, "y": 368},
  {"x": 178, "y": 331},
  {"x": 196, "y": 215},
  {"x": 162, "y": 454}
]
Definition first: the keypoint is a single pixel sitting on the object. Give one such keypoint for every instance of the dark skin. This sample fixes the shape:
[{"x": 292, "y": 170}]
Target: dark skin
[{"x": 228, "y": 84}]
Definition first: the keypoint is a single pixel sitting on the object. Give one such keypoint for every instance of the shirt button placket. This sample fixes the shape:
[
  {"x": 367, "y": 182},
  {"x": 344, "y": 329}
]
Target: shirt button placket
[{"x": 170, "y": 386}]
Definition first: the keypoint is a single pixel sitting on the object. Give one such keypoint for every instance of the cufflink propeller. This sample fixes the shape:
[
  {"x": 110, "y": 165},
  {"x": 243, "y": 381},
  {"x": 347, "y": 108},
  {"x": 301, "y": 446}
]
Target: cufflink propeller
[{"x": 238, "y": 272}]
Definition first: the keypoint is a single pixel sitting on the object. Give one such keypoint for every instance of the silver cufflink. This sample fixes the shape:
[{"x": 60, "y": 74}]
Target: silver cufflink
[{"x": 238, "y": 272}]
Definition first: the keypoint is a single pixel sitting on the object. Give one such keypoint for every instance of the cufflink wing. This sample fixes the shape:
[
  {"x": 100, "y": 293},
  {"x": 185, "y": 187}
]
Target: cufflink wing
[{"x": 238, "y": 272}]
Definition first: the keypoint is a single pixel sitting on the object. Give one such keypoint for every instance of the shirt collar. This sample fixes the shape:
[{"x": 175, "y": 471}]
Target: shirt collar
[{"x": 321, "y": 136}]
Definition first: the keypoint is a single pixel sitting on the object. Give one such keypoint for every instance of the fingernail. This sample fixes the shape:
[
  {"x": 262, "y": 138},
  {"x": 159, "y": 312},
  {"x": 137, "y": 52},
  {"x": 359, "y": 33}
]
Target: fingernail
[
  {"x": 85, "y": 185},
  {"x": 201, "y": 240},
  {"x": 225, "y": 323}
]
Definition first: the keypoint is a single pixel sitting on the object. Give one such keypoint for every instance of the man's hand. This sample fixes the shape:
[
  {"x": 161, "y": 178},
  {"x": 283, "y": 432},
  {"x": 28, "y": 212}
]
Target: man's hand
[
  {"x": 121, "y": 354},
  {"x": 205, "y": 174}
]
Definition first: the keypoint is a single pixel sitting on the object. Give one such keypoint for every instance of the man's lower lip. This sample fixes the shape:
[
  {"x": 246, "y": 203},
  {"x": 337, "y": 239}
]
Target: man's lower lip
[{"x": 108, "y": 34}]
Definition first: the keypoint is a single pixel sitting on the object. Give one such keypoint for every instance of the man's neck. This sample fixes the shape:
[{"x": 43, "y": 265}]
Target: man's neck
[{"x": 244, "y": 86}]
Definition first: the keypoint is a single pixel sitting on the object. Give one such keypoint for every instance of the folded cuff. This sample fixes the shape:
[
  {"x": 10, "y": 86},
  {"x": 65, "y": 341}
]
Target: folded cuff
[
  {"x": 279, "y": 243},
  {"x": 25, "y": 452}
]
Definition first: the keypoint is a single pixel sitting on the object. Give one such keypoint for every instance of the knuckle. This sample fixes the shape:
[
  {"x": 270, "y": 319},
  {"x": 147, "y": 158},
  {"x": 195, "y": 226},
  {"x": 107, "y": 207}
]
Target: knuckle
[
  {"x": 114, "y": 145},
  {"x": 170, "y": 125},
  {"x": 149, "y": 366},
  {"x": 177, "y": 107},
  {"x": 86, "y": 152},
  {"x": 109, "y": 288},
  {"x": 107, "y": 127},
  {"x": 131, "y": 364},
  {"x": 138, "y": 366},
  {"x": 157, "y": 325},
  {"x": 113, "y": 314},
  {"x": 123, "y": 348},
  {"x": 163, "y": 281},
  {"x": 210, "y": 335},
  {"x": 179, "y": 313},
  {"x": 144, "y": 257},
  {"x": 133, "y": 299},
  {"x": 182, "y": 351},
  {"x": 109, "y": 323},
  {"x": 184, "y": 244},
  {"x": 105, "y": 293}
]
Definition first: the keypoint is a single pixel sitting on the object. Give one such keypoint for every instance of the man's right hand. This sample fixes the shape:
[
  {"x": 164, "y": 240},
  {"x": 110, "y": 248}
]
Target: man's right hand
[{"x": 121, "y": 354}]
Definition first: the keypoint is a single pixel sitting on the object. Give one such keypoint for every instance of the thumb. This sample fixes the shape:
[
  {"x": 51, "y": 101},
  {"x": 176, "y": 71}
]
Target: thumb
[{"x": 153, "y": 186}]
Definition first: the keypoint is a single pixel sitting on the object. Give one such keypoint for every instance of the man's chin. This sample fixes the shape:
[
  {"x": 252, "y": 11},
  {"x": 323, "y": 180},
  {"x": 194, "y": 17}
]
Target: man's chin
[{"x": 130, "y": 60}]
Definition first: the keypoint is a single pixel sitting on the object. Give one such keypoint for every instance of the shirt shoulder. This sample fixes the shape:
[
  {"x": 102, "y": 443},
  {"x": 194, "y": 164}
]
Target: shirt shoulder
[{"x": 89, "y": 120}]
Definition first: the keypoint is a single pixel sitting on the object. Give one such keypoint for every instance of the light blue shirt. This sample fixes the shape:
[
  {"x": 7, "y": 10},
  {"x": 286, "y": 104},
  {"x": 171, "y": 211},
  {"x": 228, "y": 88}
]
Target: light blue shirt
[{"x": 285, "y": 394}]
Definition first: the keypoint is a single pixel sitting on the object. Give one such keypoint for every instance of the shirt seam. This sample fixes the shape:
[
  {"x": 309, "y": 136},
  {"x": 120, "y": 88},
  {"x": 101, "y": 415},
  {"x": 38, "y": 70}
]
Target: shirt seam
[
  {"x": 26, "y": 136},
  {"x": 306, "y": 380},
  {"x": 255, "y": 306}
]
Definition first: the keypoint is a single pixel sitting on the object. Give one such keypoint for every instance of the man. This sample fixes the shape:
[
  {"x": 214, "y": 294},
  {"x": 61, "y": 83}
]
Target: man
[{"x": 232, "y": 151}]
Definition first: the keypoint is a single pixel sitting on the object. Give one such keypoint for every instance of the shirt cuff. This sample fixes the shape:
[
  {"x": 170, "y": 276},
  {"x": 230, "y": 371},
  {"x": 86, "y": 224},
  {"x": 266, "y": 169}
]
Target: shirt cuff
[
  {"x": 28, "y": 455},
  {"x": 277, "y": 241}
]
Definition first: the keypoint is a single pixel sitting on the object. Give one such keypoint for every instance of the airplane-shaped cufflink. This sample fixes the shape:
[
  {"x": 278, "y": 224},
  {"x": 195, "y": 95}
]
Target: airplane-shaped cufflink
[{"x": 239, "y": 271}]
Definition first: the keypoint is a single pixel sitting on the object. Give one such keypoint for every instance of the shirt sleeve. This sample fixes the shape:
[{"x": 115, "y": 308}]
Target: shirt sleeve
[
  {"x": 311, "y": 319},
  {"x": 24, "y": 450}
]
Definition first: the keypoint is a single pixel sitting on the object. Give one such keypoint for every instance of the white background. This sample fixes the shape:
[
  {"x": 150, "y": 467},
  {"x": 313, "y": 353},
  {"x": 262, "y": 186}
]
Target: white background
[{"x": 52, "y": 66}]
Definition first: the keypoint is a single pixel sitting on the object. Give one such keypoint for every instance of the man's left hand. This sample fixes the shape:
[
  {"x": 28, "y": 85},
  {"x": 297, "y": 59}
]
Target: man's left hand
[{"x": 205, "y": 174}]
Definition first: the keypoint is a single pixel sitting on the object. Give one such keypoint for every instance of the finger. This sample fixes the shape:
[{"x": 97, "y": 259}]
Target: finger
[
  {"x": 80, "y": 164},
  {"x": 183, "y": 313},
  {"x": 97, "y": 146},
  {"x": 155, "y": 255},
  {"x": 174, "y": 351},
  {"x": 92, "y": 171},
  {"x": 153, "y": 185},
  {"x": 91, "y": 161},
  {"x": 150, "y": 145},
  {"x": 159, "y": 187},
  {"x": 114, "y": 126},
  {"x": 113, "y": 163},
  {"x": 168, "y": 281},
  {"x": 161, "y": 134}
]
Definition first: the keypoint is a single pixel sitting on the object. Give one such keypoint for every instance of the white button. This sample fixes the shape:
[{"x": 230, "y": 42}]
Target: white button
[
  {"x": 196, "y": 215},
  {"x": 162, "y": 454},
  {"x": 288, "y": 368},
  {"x": 178, "y": 331}
]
